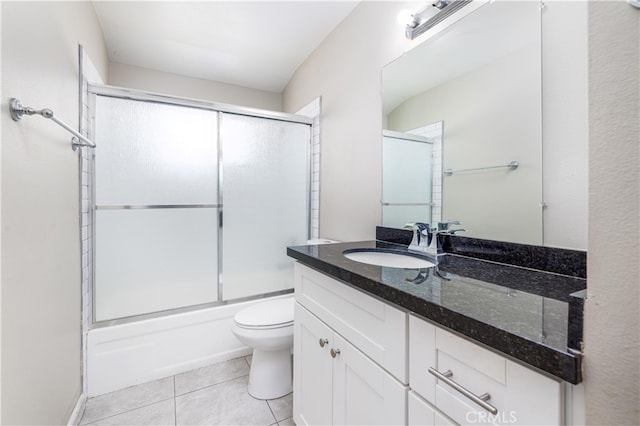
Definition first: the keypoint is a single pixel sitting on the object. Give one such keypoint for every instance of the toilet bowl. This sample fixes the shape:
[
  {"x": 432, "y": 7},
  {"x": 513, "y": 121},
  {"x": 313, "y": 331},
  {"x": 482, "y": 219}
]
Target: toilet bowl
[{"x": 267, "y": 327}]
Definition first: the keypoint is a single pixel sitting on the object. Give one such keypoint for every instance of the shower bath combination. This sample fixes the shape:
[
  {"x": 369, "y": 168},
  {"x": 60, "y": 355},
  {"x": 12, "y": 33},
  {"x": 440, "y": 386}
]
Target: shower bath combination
[
  {"x": 176, "y": 182},
  {"x": 168, "y": 189}
]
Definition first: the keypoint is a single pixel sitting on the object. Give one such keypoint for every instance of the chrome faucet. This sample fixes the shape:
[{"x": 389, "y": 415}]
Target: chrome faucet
[{"x": 422, "y": 236}]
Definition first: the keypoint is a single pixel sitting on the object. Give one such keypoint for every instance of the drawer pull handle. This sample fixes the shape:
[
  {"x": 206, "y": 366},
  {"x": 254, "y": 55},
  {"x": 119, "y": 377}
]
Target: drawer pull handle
[
  {"x": 480, "y": 400},
  {"x": 335, "y": 352},
  {"x": 323, "y": 342}
]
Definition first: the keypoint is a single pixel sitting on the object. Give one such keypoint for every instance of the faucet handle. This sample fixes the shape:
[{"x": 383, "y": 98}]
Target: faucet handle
[
  {"x": 453, "y": 231},
  {"x": 444, "y": 226},
  {"x": 422, "y": 228}
]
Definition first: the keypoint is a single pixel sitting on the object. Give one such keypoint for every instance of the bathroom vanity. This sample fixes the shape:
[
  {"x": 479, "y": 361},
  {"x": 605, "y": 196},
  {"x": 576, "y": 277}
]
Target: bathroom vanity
[{"x": 469, "y": 342}]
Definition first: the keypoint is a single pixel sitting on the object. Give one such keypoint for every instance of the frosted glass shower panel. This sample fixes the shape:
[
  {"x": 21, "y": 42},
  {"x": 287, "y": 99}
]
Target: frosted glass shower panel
[
  {"x": 266, "y": 202},
  {"x": 155, "y": 154},
  {"x": 150, "y": 260},
  {"x": 399, "y": 216},
  {"x": 406, "y": 181}
]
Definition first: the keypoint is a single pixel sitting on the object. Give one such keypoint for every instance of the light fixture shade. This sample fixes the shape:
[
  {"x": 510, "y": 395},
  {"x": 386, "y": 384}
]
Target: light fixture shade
[{"x": 405, "y": 17}]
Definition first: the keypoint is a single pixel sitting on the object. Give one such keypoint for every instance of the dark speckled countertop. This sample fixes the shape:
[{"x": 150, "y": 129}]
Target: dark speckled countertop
[{"x": 527, "y": 314}]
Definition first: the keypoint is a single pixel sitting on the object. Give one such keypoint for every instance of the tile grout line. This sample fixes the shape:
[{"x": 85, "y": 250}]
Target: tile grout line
[
  {"x": 274, "y": 416},
  {"x": 175, "y": 396},
  {"x": 212, "y": 385},
  {"x": 128, "y": 411}
]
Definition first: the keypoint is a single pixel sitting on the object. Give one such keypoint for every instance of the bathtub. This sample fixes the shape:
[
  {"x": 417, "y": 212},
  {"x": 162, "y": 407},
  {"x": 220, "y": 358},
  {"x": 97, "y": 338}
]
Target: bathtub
[{"x": 124, "y": 355}]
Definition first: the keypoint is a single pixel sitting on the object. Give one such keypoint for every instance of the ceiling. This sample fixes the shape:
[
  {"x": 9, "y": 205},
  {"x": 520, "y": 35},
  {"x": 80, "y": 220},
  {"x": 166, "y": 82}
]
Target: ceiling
[{"x": 255, "y": 44}]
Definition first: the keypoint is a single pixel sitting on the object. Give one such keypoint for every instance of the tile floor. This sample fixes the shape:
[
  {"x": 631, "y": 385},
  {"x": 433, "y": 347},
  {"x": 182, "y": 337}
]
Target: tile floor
[{"x": 212, "y": 395}]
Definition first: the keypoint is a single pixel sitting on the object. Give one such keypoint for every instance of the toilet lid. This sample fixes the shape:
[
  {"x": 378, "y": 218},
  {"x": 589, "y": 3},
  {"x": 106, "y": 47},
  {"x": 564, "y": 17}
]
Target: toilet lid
[{"x": 267, "y": 314}]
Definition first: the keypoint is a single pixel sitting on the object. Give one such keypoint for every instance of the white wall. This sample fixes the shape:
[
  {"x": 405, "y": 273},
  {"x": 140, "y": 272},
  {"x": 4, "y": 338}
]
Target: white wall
[
  {"x": 346, "y": 71},
  {"x": 172, "y": 84},
  {"x": 41, "y": 334},
  {"x": 612, "y": 329}
]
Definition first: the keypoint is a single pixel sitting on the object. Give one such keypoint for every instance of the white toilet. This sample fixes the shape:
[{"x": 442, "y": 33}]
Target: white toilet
[{"x": 267, "y": 327}]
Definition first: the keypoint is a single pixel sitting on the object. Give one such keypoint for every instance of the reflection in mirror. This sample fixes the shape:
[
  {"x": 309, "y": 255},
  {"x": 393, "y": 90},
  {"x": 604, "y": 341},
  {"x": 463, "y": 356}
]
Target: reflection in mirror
[
  {"x": 411, "y": 175},
  {"x": 482, "y": 76}
]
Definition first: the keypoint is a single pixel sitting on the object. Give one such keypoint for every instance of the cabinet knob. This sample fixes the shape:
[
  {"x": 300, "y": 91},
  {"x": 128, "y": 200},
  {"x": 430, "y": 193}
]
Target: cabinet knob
[
  {"x": 323, "y": 342},
  {"x": 335, "y": 352}
]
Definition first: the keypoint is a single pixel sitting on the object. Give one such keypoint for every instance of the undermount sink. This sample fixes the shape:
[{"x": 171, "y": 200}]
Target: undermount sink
[{"x": 388, "y": 258}]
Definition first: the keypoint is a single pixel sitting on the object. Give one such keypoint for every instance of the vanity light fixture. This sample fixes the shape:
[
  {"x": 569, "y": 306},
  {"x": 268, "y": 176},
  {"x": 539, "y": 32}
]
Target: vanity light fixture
[{"x": 431, "y": 15}]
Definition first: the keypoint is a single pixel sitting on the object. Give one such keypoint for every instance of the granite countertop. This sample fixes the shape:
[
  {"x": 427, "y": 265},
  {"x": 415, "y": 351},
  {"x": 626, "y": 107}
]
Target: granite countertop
[{"x": 530, "y": 315}]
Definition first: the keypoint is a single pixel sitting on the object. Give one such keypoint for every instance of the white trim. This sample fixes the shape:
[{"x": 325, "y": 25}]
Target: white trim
[{"x": 78, "y": 410}]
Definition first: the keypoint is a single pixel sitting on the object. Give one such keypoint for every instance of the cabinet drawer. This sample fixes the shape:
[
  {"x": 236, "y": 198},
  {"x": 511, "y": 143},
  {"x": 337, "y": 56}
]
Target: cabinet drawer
[
  {"x": 374, "y": 327},
  {"x": 519, "y": 394},
  {"x": 421, "y": 413}
]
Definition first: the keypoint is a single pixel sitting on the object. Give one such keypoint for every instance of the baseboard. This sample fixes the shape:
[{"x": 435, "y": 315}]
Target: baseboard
[{"x": 78, "y": 411}]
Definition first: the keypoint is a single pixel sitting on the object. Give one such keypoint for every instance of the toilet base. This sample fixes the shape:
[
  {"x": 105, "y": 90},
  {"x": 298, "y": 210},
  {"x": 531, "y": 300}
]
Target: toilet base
[{"x": 270, "y": 375}]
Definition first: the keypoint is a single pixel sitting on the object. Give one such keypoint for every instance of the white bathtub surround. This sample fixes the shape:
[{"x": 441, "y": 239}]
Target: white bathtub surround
[{"x": 129, "y": 354}]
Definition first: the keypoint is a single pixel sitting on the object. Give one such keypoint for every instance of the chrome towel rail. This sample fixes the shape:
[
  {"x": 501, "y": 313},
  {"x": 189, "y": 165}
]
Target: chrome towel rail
[
  {"x": 511, "y": 166},
  {"x": 384, "y": 203},
  {"x": 18, "y": 110}
]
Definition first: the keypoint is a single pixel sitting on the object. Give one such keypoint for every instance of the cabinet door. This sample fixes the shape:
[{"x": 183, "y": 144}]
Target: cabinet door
[
  {"x": 363, "y": 393},
  {"x": 373, "y": 326},
  {"x": 312, "y": 369}
]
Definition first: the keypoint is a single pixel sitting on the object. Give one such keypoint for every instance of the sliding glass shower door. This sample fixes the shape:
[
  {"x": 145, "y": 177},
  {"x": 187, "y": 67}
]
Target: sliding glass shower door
[
  {"x": 193, "y": 206},
  {"x": 406, "y": 180},
  {"x": 156, "y": 207},
  {"x": 265, "y": 169}
]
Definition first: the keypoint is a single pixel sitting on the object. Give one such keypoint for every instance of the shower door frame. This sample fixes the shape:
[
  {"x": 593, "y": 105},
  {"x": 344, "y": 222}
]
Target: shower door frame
[{"x": 95, "y": 90}]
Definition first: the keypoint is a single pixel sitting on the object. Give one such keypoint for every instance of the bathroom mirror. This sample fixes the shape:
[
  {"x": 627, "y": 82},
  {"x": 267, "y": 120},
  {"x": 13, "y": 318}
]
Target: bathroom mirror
[{"x": 475, "y": 88}]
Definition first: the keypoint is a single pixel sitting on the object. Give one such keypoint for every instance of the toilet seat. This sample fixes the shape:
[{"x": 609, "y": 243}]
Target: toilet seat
[
  {"x": 264, "y": 327},
  {"x": 267, "y": 315}
]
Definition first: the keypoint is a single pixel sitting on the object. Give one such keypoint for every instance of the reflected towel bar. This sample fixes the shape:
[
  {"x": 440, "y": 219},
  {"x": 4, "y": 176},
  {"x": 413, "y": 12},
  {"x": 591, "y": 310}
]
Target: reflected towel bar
[
  {"x": 511, "y": 166},
  {"x": 18, "y": 110},
  {"x": 384, "y": 203}
]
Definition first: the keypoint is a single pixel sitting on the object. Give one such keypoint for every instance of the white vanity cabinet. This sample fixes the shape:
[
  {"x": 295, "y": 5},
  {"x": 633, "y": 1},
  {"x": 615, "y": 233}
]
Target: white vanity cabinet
[
  {"x": 421, "y": 413},
  {"x": 515, "y": 394},
  {"x": 360, "y": 360},
  {"x": 347, "y": 346}
]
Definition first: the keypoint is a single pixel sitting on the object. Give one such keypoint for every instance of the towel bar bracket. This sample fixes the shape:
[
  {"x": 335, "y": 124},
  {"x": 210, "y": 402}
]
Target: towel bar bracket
[{"x": 17, "y": 111}]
